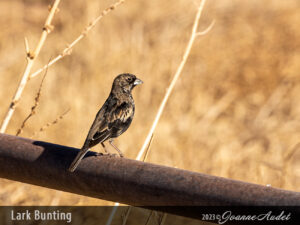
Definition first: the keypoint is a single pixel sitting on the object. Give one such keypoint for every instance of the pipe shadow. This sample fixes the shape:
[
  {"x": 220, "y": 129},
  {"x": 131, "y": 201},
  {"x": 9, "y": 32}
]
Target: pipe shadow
[{"x": 58, "y": 156}]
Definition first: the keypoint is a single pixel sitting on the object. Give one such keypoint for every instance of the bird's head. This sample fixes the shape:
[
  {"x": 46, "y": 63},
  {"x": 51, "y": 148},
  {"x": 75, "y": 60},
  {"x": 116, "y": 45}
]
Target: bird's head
[{"x": 126, "y": 82}]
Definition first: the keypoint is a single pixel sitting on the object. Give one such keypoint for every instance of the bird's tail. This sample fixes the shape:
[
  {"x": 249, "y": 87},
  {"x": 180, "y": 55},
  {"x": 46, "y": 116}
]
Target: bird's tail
[{"x": 78, "y": 159}]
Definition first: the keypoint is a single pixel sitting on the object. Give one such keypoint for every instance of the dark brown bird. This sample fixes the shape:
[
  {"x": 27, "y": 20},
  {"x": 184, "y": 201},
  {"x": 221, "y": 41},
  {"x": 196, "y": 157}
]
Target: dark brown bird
[{"x": 113, "y": 118}]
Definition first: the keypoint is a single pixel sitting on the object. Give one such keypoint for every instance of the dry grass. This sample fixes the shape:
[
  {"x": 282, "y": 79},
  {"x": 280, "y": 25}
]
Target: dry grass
[{"x": 235, "y": 111}]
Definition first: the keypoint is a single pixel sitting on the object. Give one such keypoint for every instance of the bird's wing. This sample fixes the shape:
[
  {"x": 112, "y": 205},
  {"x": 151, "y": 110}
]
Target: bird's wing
[
  {"x": 121, "y": 114},
  {"x": 111, "y": 115},
  {"x": 99, "y": 126},
  {"x": 116, "y": 118}
]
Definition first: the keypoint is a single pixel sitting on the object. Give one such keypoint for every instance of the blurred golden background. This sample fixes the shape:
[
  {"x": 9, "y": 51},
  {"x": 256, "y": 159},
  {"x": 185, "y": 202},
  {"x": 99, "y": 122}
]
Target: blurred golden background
[{"x": 234, "y": 112}]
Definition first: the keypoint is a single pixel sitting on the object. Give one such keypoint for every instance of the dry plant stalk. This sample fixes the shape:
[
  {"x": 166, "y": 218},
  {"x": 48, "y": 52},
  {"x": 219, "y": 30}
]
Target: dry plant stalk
[
  {"x": 126, "y": 214},
  {"x": 68, "y": 49},
  {"x": 163, "y": 219},
  {"x": 169, "y": 90},
  {"x": 176, "y": 76},
  {"x": 148, "y": 149},
  {"x": 31, "y": 57},
  {"x": 130, "y": 207},
  {"x": 33, "y": 108},
  {"x": 148, "y": 219},
  {"x": 113, "y": 212},
  {"x": 45, "y": 127}
]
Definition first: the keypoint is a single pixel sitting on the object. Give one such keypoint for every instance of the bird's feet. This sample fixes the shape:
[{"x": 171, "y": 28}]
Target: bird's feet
[
  {"x": 111, "y": 155},
  {"x": 115, "y": 154},
  {"x": 107, "y": 154},
  {"x": 115, "y": 147}
]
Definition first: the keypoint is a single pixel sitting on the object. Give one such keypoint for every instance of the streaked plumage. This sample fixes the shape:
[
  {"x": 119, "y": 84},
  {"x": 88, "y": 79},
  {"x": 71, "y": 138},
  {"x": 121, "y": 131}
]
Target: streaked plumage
[{"x": 114, "y": 117}]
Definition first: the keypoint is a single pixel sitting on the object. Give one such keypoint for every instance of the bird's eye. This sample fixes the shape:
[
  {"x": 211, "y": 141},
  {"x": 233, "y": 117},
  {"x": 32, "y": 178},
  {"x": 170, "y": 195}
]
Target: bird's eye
[{"x": 129, "y": 79}]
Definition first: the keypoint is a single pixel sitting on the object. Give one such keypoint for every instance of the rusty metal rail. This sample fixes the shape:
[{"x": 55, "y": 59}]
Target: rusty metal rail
[{"x": 128, "y": 181}]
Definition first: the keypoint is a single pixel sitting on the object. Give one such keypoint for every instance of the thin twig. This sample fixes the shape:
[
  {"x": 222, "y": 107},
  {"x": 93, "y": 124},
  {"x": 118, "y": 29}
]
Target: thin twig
[
  {"x": 47, "y": 125},
  {"x": 175, "y": 78},
  {"x": 68, "y": 49},
  {"x": 148, "y": 219},
  {"x": 31, "y": 57},
  {"x": 169, "y": 90},
  {"x": 207, "y": 29},
  {"x": 163, "y": 219},
  {"x": 148, "y": 149},
  {"x": 33, "y": 108},
  {"x": 130, "y": 207},
  {"x": 126, "y": 215},
  {"x": 112, "y": 214}
]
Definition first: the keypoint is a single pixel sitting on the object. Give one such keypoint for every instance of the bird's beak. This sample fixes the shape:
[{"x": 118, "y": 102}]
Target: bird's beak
[{"x": 138, "y": 81}]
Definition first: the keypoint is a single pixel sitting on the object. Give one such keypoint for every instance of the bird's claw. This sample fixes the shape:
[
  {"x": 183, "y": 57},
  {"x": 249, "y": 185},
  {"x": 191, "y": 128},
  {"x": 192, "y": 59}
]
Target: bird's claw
[
  {"x": 110, "y": 155},
  {"x": 113, "y": 155}
]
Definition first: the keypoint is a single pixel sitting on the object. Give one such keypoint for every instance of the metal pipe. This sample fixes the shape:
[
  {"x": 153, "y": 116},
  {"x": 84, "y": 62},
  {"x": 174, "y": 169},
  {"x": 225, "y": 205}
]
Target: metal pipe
[{"x": 128, "y": 181}]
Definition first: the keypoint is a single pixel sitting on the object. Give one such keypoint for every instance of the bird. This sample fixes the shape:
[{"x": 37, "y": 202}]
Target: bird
[{"x": 113, "y": 118}]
